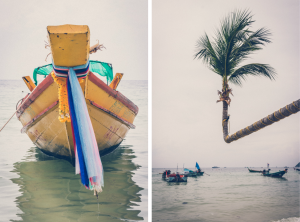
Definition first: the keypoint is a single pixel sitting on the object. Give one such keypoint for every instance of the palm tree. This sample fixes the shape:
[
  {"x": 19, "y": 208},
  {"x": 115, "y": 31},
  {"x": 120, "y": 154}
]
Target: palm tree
[{"x": 233, "y": 44}]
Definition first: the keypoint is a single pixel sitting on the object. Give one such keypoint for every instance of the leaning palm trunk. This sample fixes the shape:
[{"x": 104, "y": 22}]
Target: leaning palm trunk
[{"x": 286, "y": 111}]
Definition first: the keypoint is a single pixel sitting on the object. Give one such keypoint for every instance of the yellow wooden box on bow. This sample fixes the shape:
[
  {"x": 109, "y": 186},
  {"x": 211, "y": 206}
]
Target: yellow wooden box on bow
[{"x": 70, "y": 44}]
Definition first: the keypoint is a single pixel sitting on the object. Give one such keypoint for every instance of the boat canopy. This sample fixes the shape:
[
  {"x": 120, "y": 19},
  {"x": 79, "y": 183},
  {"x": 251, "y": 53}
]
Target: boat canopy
[{"x": 101, "y": 68}]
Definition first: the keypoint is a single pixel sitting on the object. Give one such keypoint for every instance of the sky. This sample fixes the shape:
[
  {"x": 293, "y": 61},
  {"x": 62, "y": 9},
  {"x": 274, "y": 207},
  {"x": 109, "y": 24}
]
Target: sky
[
  {"x": 121, "y": 26},
  {"x": 187, "y": 121}
]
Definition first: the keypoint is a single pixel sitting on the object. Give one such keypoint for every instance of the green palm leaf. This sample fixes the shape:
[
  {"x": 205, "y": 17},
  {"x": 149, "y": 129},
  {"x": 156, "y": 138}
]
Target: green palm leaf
[
  {"x": 234, "y": 43},
  {"x": 254, "y": 69}
]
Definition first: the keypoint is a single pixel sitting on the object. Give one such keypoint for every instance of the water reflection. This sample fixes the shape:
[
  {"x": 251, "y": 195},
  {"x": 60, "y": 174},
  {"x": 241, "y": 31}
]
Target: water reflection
[{"x": 50, "y": 190}]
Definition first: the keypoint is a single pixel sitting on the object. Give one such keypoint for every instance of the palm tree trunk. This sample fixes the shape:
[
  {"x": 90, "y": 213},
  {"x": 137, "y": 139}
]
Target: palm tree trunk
[
  {"x": 224, "y": 122},
  {"x": 286, "y": 111}
]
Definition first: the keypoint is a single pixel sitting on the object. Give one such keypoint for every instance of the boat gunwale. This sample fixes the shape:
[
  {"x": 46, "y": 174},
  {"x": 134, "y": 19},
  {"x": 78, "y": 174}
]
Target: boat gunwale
[
  {"x": 34, "y": 94},
  {"x": 112, "y": 114},
  {"x": 116, "y": 94},
  {"x": 49, "y": 80}
]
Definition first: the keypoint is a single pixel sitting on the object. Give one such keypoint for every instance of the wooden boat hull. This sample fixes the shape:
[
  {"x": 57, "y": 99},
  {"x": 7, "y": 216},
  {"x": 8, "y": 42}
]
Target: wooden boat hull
[
  {"x": 190, "y": 174},
  {"x": 256, "y": 171},
  {"x": 176, "y": 179},
  {"x": 111, "y": 114},
  {"x": 200, "y": 173}
]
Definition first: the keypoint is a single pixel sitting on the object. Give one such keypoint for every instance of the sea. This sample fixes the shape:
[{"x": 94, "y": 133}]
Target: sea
[
  {"x": 38, "y": 187},
  {"x": 226, "y": 195}
]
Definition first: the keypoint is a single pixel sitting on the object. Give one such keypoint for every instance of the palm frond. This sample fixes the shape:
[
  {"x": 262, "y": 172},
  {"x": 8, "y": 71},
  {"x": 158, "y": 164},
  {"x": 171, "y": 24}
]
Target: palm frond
[
  {"x": 233, "y": 43},
  {"x": 251, "y": 44},
  {"x": 232, "y": 32},
  {"x": 253, "y": 69},
  {"x": 206, "y": 51}
]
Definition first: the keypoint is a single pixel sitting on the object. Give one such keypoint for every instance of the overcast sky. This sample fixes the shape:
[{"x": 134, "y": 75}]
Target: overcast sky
[
  {"x": 186, "y": 118},
  {"x": 121, "y": 26}
]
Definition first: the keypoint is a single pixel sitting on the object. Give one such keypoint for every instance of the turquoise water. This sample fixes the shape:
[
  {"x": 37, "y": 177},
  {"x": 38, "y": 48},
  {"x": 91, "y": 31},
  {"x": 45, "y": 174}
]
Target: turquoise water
[
  {"x": 227, "y": 195},
  {"x": 37, "y": 187}
]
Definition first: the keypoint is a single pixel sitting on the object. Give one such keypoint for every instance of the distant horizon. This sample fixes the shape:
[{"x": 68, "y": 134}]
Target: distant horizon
[{"x": 222, "y": 167}]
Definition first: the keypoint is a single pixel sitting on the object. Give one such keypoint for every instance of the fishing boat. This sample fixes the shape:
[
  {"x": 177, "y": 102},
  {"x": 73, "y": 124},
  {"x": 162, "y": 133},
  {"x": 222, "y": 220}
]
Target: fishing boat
[
  {"x": 44, "y": 113},
  {"x": 276, "y": 174},
  {"x": 176, "y": 177},
  {"x": 198, "y": 172},
  {"x": 257, "y": 171},
  {"x": 215, "y": 167},
  {"x": 189, "y": 173}
]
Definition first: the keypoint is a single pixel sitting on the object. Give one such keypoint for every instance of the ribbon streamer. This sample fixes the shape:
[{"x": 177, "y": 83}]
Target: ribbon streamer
[{"x": 88, "y": 162}]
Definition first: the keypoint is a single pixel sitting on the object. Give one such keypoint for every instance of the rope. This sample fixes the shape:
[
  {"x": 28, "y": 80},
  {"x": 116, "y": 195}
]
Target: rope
[{"x": 8, "y": 120}]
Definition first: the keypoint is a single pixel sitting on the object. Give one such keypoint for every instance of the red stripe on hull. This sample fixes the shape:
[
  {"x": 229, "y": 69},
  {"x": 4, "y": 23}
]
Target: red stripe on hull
[{"x": 114, "y": 93}]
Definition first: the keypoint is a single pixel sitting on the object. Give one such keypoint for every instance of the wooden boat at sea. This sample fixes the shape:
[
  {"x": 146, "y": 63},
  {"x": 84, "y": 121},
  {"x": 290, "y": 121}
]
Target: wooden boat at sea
[
  {"x": 191, "y": 173},
  {"x": 40, "y": 112},
  {"x": 173, "y": 177},
  {"x": 257, "y": 171},
  {"x": 215, "y": 167},
  {"x": 276, "y": 174}
]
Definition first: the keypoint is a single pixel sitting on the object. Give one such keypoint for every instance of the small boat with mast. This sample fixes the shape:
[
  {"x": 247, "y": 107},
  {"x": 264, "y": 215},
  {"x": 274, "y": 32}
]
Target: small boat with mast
[
  {"x": 278, "y": 174},
  {"x": 259, "y": 171},
  {"x": 173, "y": 177}
]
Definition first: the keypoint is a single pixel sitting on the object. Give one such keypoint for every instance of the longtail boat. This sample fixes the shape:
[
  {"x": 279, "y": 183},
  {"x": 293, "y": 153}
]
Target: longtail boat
[
  {"x": 189, "y": 173},
  {"x": 276, "y": 174},
  {"x": 44, "y": 113},
  {"x": 176, "y": 177},
  {"x": 257, "y": 171}
]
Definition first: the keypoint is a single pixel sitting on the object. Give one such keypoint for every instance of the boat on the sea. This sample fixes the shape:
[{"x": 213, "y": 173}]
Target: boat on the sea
[
  {"x": 215, "y": 167},
  {"x": 176, "y": 177},
  {"x": 189, "y": 173},
  {"x": 276, "y": 174},
  {"x": 44, "y": 113},
  {"x": 257, "y": 171},
  {"x": 173, "y": 177}
]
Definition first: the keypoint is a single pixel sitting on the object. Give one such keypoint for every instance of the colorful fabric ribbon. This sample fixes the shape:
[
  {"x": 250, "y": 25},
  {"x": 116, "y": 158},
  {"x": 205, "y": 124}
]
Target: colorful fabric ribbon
[
  {"x": 87, "y": 158},
  {"x": 80, "y": 71}
]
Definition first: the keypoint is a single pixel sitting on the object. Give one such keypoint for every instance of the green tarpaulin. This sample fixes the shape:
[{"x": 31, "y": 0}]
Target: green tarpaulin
[{"x": 102, "y": 68}]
